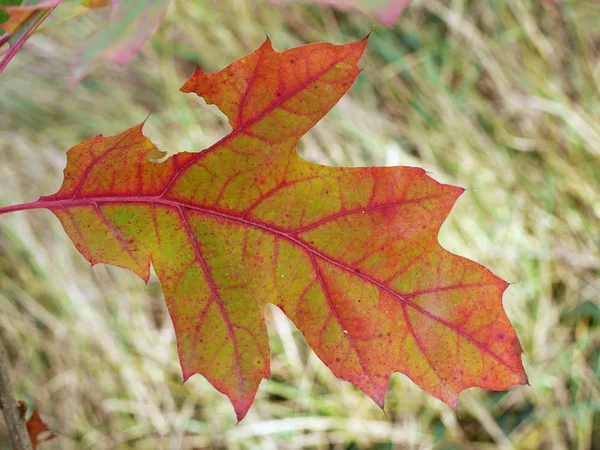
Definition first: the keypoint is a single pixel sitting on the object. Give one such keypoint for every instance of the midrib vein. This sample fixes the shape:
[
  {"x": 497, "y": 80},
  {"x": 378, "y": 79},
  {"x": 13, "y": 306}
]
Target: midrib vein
[{"x": 161, "y": 201}]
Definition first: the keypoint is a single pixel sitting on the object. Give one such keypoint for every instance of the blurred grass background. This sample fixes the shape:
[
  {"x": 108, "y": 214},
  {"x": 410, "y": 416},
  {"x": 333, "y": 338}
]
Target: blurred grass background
[{"x": 500, "y": 97}]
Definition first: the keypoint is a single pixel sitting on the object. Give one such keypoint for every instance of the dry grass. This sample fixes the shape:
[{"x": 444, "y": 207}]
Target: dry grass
[{"x": 499, "y": 97}]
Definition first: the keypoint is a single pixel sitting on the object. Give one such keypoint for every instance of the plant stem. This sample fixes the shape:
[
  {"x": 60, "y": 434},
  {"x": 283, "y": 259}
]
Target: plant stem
[
  {"x": 17, "y": 429},
  {"x": 22, "y": 207}
]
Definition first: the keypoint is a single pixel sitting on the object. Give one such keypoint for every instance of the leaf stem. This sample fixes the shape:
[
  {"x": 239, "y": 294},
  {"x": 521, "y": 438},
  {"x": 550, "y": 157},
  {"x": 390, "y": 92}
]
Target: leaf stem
[
  {"x": 22, "y": 207},
  {"x": 17, "y": 430}
]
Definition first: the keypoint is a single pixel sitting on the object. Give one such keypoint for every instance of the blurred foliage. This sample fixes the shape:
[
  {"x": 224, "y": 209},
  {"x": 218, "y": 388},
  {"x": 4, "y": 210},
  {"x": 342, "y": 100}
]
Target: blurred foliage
[
  {"x": 4, "y": 16},
  {"x": 499, "y": 97},
  {"x": 131, "y": 24}
]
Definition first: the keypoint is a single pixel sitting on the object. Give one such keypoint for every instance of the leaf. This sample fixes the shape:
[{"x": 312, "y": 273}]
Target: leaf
[
  {"x": 349, "y": 254},
  {"x": 387, "y": 12},
  {"x": 38, "y": 431},
  {"x": 36, "y": 428}
]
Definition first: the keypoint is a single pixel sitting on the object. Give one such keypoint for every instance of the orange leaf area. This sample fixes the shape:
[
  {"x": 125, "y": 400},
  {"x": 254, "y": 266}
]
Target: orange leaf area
[
  {"x": 38, "y": 431},
  {"x": 19, "y": 15},
  {"x": 36, "y": 428},
  {"x": 349, "y": 254}
]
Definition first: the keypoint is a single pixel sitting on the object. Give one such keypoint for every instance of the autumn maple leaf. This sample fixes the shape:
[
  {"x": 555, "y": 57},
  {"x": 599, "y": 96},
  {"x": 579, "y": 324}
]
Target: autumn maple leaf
[{"x": 349, "y": 254}]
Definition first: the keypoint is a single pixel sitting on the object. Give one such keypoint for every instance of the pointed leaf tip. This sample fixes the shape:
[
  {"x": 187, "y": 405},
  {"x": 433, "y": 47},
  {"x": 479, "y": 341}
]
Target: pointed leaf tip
[{"x": 267, "y": 46}]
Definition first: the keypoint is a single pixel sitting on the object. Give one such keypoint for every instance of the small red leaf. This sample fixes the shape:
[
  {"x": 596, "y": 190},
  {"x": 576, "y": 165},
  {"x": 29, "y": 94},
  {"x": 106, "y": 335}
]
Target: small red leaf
[
  {"x": 36, "y": 428},
  {"x": 38, "y": 431}
]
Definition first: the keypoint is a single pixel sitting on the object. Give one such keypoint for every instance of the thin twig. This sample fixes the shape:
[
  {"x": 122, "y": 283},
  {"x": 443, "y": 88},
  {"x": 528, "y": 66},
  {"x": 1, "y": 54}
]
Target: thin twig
[{"x": 17, "y": 430}]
